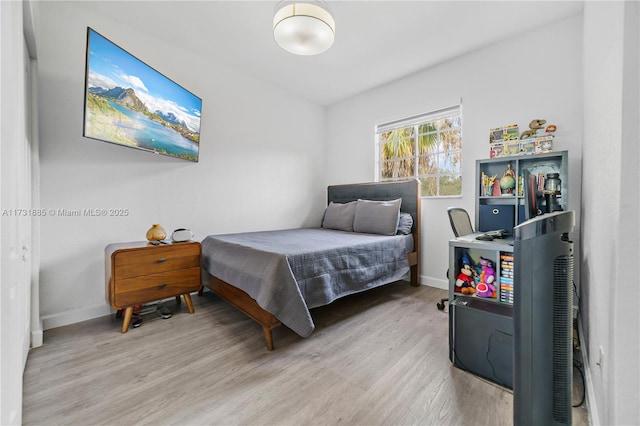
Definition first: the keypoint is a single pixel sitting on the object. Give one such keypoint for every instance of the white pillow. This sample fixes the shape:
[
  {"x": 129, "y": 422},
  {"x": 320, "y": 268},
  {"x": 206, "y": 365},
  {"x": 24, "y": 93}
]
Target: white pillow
[
  {"x": 377, "y": 217},
  {"x": 339, "y": 216}
]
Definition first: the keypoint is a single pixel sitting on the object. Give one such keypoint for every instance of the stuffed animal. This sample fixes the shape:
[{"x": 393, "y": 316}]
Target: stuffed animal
[
  {"x": 485, "y": 287},
  {"x": 465, "y": 283}
]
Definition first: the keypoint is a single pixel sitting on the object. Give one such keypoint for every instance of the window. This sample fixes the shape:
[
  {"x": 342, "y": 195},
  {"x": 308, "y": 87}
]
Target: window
[{"x": 427, "y": 147}]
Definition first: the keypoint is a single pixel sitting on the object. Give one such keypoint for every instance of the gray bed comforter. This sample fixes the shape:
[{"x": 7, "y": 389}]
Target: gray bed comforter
[{"x": 291, "y": 271}]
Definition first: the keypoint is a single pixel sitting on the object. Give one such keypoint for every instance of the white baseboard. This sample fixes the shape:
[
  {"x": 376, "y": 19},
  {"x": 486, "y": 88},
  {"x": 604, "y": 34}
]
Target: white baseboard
[
  {"x": 434, "y": 282},
  {"x": 36, "y": 338},
  {"x": 592, "y": 408},
  {"x": 77, "y": 315}
]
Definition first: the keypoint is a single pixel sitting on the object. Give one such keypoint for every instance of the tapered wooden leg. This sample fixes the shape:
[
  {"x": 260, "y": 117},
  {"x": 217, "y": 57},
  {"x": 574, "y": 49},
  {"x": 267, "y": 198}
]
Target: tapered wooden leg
[
  {"x": 128, "y": 313},
  {"x": 187, "y": 300},
  {"x": 178, "y": 300},
  {"x": 268, "y": 337}
]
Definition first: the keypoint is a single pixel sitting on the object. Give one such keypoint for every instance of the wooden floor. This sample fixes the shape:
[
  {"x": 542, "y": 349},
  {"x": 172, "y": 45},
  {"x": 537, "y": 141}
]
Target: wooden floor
[{"x": 375, "y": 358}]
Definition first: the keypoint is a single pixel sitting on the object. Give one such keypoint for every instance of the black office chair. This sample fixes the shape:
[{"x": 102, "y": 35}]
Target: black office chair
[
  {"x": 460, "y": 221},
  {"x": 461, "y": 225}
]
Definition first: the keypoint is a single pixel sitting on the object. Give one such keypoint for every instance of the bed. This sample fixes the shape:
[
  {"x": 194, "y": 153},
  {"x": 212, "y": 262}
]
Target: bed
[{"x": 276, "y": 277}]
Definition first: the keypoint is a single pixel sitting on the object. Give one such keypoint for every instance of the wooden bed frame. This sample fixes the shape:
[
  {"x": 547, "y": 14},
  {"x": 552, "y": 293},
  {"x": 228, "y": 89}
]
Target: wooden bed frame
[{"x": 408, "y": 190}]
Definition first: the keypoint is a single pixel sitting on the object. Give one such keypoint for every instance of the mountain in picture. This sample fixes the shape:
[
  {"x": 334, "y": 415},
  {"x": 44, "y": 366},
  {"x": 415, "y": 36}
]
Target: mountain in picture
[
  {"x": 125, "y": 97},
  {"x": 128, "y": 99},
  {"x": 171, "y": 118}
]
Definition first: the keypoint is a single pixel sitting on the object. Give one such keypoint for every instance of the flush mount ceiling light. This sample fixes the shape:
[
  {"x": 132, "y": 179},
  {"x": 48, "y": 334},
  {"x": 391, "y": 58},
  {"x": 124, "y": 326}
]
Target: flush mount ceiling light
[{"x": 304, "y": 27}]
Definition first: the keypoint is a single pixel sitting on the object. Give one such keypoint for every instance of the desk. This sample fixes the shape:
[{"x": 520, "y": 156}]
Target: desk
[
  {"x": 481, "y": 329},
  {"x": 492, "y": 250}
]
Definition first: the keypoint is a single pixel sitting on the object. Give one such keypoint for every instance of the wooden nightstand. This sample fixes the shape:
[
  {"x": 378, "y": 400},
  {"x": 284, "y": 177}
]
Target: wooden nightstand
[{"x": 139, "y": 272}]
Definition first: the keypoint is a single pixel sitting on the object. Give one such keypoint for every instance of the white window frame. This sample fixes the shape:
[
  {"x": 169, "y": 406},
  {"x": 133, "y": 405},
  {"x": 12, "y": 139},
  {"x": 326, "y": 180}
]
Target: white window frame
[{"x": 416, "y": 122}]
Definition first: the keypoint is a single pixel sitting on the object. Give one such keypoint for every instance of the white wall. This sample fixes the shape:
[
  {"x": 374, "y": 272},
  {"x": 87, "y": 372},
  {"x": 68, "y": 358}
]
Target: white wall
[
  {"x": 610, "y": 235},
  {"x": 252, "y": 174},
  {"x": 535, "y": 75}
]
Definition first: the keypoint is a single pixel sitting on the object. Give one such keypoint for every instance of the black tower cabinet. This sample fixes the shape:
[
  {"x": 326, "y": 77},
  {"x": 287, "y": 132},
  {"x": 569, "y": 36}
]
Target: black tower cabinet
[{"x": 543, "y": 313}]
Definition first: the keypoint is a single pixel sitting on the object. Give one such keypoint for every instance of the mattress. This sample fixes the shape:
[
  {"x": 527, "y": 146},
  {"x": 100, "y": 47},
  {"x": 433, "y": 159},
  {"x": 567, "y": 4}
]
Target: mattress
[{"x": 291, "y": 271}]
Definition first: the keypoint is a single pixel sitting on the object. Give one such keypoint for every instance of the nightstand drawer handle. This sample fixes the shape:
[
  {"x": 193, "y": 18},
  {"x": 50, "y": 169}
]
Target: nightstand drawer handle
[
  {"x": 161, "y": 286},
  {"x": 162, "y": 259}
]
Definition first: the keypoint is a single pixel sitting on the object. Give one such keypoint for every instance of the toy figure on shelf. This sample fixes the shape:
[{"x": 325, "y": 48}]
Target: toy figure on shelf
[
  {"x": 534, "y": 126},
  {"x": 465, "y": 282},
  {"x": 485, "y": 287},
  {"x": 496, "y": 191},
  {"x": 551, "y": 129},
  {"x": 508, "y": 180}
]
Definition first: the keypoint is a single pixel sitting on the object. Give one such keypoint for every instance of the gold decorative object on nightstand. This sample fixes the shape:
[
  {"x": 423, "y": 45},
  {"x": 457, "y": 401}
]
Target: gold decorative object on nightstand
[{"x": 156, "y": 233}]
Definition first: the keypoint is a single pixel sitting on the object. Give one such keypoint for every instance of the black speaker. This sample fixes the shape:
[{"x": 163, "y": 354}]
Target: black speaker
[{"x": 542, "y": 320}]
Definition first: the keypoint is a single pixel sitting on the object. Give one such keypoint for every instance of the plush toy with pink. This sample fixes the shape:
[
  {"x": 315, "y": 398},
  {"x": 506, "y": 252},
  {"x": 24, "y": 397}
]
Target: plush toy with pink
[{"x": 485, "y": 286}]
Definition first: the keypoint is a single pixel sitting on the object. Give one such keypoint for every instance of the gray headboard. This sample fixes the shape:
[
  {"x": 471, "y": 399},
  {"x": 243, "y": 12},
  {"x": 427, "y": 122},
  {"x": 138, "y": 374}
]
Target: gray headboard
[{"x": 408, "y": 190}]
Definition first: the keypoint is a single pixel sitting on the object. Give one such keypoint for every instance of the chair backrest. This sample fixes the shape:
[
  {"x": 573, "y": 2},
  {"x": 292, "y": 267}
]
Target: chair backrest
[{"x": 460, "y": 221}]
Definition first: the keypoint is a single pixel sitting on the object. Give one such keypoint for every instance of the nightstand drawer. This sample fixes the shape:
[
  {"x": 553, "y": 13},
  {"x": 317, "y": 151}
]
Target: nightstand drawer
[
  {"x": 142, "y": 289},
  {"x": 160, "y": 259}
]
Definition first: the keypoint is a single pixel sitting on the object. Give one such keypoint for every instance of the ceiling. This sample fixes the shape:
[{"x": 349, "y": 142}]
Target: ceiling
[{"x": 376, "y": 41}]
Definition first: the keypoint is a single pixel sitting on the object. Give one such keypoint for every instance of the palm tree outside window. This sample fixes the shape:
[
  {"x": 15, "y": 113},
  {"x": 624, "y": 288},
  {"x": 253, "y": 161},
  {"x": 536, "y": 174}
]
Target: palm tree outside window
[{"x": 427, "y": 147}]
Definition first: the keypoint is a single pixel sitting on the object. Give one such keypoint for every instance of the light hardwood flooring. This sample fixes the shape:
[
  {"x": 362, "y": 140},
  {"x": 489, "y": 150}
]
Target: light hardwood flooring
[{"x": 380, "y": 357}]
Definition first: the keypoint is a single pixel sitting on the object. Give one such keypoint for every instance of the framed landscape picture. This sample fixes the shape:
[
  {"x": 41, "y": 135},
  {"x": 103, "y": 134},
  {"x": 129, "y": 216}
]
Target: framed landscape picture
[{"x": 131, "y": 104}]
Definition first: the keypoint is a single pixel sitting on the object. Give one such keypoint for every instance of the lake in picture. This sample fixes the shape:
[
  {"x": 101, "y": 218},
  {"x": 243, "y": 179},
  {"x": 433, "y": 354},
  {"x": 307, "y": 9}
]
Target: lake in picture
[{"x": 148, "y": 134}]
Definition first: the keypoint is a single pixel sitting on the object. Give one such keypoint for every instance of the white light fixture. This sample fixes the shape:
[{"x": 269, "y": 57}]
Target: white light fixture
[{"x": 304, "y": 27}]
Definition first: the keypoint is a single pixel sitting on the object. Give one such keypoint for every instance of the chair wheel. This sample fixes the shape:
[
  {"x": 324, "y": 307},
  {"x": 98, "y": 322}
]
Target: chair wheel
[{"x": 440, "y": 306}]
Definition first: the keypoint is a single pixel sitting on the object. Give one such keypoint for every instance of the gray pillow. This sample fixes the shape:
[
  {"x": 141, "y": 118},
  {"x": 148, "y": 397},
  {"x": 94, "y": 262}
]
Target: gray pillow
[
  {"x": 404, "y": 224},
  {"x": 339, "y": 216},
  {"x": 377, "y": 217}
]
